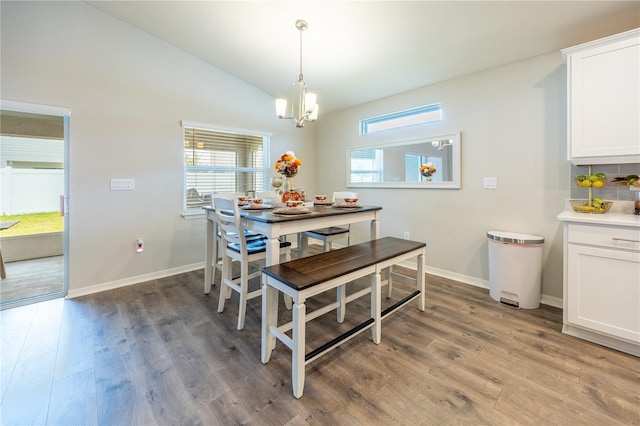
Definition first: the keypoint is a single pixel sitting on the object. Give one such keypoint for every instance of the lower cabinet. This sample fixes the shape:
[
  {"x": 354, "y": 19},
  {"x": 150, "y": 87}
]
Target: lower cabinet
[{"x": 602, "y": 285}]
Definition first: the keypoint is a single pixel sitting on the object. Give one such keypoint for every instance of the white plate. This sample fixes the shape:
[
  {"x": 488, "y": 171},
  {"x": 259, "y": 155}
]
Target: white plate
[
  {"x": 257, "y": 207},
  {"x": 346, "y": 206},
  {"x": 285, "y": 210}
]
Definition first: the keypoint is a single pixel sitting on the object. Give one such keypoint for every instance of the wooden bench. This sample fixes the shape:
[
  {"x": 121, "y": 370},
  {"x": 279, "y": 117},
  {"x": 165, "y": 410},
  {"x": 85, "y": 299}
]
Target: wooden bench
[{"x": 312, "y": 275}]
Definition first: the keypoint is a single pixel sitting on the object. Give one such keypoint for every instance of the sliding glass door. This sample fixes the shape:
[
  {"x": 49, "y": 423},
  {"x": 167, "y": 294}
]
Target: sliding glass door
[{"x": 34, "y": 185}]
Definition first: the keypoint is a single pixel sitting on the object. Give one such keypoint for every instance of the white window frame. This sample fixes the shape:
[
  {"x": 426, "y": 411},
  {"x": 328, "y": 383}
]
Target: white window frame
[
  {"x": 409, "y": 117},
  {"x": 193, "y": 212}
]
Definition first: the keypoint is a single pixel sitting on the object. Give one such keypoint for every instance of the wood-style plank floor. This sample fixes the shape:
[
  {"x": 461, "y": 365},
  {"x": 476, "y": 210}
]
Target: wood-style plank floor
[{"x": 159, "y": 353}]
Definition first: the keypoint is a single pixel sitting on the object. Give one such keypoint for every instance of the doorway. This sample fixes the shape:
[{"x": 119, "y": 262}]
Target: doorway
[{"x": 34, "y": 187}]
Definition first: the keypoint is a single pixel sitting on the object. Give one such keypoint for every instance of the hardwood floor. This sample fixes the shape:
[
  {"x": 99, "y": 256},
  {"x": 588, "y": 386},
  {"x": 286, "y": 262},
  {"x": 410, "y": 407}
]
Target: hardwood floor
[{"x": 159, "y": 353}]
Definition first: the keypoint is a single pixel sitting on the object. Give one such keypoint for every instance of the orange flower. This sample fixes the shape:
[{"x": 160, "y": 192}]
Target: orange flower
[
  {"x": 288, "y": 164},
  {"x": 427, "y": 169}
]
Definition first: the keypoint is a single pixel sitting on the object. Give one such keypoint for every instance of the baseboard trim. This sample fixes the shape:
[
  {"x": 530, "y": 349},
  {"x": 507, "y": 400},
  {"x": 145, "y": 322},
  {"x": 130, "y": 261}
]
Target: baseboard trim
[
  {"x": 97, "y": 288},
  {"x": 465, "y": 279},
  {"x": 555, "y": 302}
]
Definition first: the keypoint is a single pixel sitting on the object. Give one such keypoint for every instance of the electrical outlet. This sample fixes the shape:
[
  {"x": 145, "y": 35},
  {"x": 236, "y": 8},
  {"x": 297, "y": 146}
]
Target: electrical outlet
[
  {"x": 405, "y": 235},
  {"x": 139, "y": 245}
]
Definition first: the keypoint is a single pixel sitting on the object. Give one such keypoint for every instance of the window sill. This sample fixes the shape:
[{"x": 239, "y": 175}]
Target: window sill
[{"x": 190, "y": 215}]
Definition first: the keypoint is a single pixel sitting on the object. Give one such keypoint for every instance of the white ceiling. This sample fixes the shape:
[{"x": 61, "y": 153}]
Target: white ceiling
[{"x": 359, "y": 51}]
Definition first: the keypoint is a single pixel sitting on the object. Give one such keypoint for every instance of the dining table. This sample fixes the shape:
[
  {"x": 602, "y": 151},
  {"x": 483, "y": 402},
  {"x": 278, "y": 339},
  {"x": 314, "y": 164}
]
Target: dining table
[{"x": 273, "y": 226}]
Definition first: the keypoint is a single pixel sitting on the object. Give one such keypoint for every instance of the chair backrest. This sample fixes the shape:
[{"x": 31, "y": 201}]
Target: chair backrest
[
  {"x": 229, "y": 221},
  {"x": 267, "y": 194},
  {"x": 339, "y": 196}
]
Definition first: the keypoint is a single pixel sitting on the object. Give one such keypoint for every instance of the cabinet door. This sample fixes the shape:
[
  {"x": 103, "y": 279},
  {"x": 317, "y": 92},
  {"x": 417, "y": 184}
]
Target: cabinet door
[
  {"x": 604, "y": 290},
  {"x": 604, "y": 105}
]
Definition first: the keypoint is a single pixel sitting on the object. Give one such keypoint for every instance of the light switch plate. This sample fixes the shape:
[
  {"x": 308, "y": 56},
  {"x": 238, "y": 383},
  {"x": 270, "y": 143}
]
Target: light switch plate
[
  {"x": 123, "y": 184},
  {"x": 490, "y": 183}
]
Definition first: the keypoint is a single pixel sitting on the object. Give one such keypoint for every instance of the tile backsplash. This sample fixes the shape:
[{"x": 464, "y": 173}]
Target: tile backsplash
[{"x": 611, "y": 191}]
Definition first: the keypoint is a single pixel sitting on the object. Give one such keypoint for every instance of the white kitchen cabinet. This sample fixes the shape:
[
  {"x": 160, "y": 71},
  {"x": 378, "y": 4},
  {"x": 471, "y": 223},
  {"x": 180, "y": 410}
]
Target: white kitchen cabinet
[
  {"x": 602, "y": 285},
  {"x": 603, "y": 100}
]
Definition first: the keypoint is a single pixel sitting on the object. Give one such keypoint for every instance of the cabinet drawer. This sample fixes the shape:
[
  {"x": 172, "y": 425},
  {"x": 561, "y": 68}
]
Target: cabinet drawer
[{"x": 605, "y": 236}]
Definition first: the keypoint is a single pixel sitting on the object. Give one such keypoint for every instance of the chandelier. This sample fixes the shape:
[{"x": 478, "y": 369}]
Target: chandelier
[{"x": 307, "y": 106}]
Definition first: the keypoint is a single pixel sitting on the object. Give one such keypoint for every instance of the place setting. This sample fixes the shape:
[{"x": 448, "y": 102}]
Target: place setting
[
  {"x": 293, "y": 207},
  {"x": 347, "y": 203},
  {"x": 321, "y": 200},
  {"x": 253, "y": 204}
]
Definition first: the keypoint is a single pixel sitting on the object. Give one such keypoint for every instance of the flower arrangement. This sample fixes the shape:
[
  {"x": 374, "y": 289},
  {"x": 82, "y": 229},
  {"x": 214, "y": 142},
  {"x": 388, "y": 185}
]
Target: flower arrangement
[
  {"x": 288, "y": 164},
  {"x": 427, "y": 170}
]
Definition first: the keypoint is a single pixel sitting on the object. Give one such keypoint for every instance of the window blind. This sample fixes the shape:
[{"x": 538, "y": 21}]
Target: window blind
[{"x": 221, "y": 161}]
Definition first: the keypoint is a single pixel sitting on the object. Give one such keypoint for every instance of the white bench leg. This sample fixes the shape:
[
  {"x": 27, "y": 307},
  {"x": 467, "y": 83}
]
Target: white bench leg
[
  {"x": 376, "y": 310},
  {"x": 341, "y": 294},
  {"x": 298, "y": 349},
  {"x": 269, "y": 319}
]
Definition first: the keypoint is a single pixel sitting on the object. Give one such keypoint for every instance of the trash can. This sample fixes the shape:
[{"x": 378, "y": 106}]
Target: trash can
[{"x": 515, "y": 268}]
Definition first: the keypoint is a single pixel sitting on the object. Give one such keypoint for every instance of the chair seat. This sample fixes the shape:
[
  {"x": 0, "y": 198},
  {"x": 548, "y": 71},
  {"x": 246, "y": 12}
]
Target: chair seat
[
  {"x": 249, "y": 235},
  {"x": 332, "y": 230},
  {"x": 256, "y": 246}
]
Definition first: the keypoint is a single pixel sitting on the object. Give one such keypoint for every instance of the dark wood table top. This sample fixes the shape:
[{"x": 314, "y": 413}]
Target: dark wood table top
[{"x": 268, "y": 215}]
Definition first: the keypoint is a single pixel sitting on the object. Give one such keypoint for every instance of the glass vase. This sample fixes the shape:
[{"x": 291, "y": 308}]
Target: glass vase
[{"x": 289, "y": 184}]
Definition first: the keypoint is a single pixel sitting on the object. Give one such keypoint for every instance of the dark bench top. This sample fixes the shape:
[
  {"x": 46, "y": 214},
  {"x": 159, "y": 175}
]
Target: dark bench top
[{"x": 312, "y": 270}]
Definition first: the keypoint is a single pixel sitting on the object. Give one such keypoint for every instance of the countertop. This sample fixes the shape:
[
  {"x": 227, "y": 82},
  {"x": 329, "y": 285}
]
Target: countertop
[{"x": 621, "y": 214}]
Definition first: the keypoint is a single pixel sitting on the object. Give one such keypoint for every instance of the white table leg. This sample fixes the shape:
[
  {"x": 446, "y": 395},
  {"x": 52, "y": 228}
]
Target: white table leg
[
  {"x": 420, "y": 278},
  {"x": 375, "y": 229},
  {"x": 269, "y": 319},
  {"x": 388, "y": 274},
  {"x": 303, "y": 244},
  {"x": 298, "y": 349},
  {"x": 209, "y": 253},
  {"x": 376, "y": 309}
]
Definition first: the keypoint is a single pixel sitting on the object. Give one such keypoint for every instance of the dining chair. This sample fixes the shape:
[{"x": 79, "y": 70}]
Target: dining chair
[
  {"x": 217, "y": 235},
  {"x": 269, "y": 195},
  {"x": 238, "y": 248},
  {"x": 332, "y": 233}
]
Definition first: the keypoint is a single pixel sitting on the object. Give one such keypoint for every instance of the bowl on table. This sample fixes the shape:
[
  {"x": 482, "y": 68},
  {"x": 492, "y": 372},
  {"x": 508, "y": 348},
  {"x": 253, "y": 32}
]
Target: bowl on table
[
  {"x": 256, "y": 201},
  {"x": 321, "y": 198},
  {"x": 294, "y": 204},
  {"x": 351, "y": 201},
  {"x": 243, "y": 200}
]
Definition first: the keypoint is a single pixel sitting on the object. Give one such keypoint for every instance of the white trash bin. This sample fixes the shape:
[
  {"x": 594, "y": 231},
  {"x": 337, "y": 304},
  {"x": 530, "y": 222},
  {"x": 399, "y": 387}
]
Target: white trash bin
[{"x": 515, "y": 268}]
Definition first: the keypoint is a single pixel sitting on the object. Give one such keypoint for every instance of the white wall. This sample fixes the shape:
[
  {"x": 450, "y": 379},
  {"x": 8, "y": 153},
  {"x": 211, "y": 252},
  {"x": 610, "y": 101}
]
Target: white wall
[
  {"x": 127, "y": 93},
  {"x": 512, "y": 120}
]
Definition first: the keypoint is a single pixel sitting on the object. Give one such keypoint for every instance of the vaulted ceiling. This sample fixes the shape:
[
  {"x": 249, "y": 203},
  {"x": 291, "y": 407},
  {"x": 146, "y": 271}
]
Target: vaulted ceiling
[{"x": 359, "y": 51}]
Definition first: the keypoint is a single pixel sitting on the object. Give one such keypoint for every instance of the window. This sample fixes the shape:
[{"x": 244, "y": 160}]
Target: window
[
  {"x": 410, "y": 117},
  {"x": 221, "y": 160},
  {"x": 366, "y": 165}
]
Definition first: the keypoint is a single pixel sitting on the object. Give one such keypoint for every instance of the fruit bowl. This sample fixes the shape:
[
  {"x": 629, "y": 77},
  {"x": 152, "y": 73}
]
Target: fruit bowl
[
  {"x": 597, "y": 206},
  {"x": 592, "y": 181}
]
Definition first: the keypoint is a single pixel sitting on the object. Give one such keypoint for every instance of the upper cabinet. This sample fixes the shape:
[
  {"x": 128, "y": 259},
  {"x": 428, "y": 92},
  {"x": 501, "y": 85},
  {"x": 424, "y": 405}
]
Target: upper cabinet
[{"x": 603, "y": 97}]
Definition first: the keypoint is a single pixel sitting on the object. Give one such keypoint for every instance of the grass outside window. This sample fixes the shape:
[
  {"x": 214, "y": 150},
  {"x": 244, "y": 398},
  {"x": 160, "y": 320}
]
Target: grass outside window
[{"x": 35, "y": 223}]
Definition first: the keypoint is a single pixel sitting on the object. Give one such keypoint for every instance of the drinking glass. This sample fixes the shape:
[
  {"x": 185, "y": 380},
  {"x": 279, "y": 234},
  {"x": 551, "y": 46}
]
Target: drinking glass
[{"x": 276, "y": 182}]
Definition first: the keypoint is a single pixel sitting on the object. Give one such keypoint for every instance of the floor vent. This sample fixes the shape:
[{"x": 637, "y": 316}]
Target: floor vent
[{"x": 509, "y": 302}]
